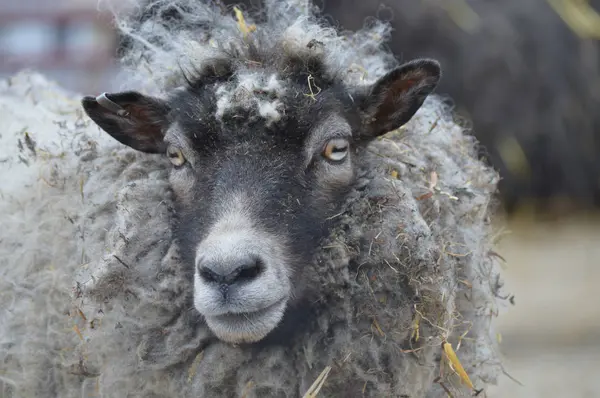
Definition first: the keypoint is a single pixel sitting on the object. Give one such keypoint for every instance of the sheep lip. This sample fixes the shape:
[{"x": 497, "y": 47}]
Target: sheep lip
[
  {"x": 249, "y": 315},
  {"x": 247, "y": 327}
]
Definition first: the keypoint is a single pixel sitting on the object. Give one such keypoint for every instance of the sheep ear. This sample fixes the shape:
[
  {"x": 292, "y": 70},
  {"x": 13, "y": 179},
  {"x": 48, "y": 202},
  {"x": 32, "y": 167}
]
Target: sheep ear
[
  {"x": 393, "y": 100},
  {"x": 133, "y": 119}
]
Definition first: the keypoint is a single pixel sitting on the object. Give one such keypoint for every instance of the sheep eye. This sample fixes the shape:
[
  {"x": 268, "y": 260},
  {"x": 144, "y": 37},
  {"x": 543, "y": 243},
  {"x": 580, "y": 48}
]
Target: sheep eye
[
  {"x": 336, "y": 149},
  {"x": 175, "y": 156}
]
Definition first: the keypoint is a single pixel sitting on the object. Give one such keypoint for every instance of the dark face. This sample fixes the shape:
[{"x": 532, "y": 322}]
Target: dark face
[
  {"x": 252, "y": 203},
  {"x": 256, "y": 187}
]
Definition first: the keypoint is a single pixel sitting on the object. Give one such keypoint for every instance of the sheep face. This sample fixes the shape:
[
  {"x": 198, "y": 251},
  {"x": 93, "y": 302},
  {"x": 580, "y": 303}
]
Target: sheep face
[{"x": 257, "y": 179}]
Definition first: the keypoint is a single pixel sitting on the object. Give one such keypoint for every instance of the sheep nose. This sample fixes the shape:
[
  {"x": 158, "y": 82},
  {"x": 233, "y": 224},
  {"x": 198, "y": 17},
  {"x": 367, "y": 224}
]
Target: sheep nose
[{"x": 242, "y": 270}]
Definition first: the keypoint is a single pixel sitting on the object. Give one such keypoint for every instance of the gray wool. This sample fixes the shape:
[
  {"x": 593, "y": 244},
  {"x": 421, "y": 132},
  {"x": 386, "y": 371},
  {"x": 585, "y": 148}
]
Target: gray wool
[{"x": 95, "y": 300}]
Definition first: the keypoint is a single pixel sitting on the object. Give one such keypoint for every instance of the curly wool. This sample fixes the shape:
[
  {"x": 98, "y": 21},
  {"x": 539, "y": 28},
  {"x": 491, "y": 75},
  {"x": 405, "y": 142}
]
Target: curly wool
[
  {"x": 168, "y": 39},
  {"x": 59, "y": 178},
  {"x": 97, "y": 300}
]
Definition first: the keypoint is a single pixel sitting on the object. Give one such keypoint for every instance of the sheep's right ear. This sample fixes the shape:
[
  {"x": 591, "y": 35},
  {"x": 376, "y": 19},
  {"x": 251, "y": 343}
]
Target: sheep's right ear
[
  {"x": 394, "y": 99},
  {"x": 131, "y": 118}
]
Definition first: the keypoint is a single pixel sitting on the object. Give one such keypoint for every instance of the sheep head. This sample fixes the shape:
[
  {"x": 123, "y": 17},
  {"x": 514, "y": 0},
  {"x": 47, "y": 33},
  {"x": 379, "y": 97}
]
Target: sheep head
[{"x": 261, "y": 161}]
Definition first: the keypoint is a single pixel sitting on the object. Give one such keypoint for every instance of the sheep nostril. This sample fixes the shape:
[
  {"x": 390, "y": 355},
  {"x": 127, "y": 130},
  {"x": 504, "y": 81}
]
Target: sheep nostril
[
  {"x": 208, "y": 275},
  {"x": 250, "y": 270}
]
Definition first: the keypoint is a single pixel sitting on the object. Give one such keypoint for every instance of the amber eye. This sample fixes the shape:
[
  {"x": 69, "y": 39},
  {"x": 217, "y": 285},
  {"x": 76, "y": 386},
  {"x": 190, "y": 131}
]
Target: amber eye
[
  {"x": 175, "y": 156},
  {"x": 336, "y": 149}
]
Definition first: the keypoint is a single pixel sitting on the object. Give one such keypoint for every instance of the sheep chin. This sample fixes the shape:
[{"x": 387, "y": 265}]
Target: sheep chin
[{"x": 249, "y": 327}]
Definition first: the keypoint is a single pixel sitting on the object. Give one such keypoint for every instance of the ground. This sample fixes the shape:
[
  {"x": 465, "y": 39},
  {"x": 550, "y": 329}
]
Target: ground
[{"x": 550, "y": 337}]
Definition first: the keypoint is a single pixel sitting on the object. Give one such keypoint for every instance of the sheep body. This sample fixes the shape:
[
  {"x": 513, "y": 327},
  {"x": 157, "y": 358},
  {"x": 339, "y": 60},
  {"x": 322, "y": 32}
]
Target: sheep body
[{"x": 97, "y": 301}]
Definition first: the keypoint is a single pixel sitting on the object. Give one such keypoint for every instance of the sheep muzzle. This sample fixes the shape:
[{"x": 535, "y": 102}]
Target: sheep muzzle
[{"x": 241, "y": 281}]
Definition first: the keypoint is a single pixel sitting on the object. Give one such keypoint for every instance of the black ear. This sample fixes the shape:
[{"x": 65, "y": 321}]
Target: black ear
[
  {"x": 133, "y": 119},
  {"x": 396, "y": 97}
]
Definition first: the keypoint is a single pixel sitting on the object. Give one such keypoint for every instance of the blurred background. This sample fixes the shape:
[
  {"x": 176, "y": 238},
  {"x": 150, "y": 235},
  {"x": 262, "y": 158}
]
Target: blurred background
[
  {"x": 69, "y": 41},
  {"x": 524, "y": 74}
]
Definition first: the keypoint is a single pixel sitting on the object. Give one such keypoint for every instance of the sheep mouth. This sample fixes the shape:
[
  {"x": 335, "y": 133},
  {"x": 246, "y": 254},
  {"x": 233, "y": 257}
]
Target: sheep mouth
[{"x": 247, "y": 327}]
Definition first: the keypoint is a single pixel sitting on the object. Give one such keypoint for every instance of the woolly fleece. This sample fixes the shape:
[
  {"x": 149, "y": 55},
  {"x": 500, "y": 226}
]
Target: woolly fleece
[{"x": 95, "y": 300}]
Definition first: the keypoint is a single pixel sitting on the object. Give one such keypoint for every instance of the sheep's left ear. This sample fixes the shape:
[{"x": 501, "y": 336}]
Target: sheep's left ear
[
  {"x": 133, "y": 119},
  {"x": 393, "y": 100}
]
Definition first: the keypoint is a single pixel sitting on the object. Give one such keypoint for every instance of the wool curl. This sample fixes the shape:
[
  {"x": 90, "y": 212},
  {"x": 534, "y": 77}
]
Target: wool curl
[
  {"x": 97, "y": 301},
  {"x": 165, "y": 39}
]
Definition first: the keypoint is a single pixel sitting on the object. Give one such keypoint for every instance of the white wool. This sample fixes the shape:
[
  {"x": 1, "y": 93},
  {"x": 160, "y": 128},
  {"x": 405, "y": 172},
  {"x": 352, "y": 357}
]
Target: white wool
[
  {"x": 53, "y": 209},
  {"x": 250, "y": 89},
  {"x": 290, "y": 26},
  {"x": 270, "y": 110}
]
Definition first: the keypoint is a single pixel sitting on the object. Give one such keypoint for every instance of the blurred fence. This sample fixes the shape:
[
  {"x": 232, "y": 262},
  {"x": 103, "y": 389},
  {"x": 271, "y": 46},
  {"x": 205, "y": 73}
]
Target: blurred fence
[{"x": 67, "y": 40}]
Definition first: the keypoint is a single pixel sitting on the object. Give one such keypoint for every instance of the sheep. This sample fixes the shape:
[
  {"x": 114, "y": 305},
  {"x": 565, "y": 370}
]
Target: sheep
[
  {"x": 524, "y": 79},
  {"x": 265, "y": 205}
]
